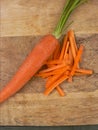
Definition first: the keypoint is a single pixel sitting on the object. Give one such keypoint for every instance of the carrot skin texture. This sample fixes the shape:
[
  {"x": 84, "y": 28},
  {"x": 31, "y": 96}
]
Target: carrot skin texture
[{"x": 30, "y": 66}]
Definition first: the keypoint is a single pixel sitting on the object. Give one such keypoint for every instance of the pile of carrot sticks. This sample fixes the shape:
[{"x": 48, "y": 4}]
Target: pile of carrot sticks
[{"x": 63, "y": 65}]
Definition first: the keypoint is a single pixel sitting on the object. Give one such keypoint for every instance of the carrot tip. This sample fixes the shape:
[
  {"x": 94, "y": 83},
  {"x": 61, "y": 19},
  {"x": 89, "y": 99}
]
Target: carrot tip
[
  {"x": 70, "y": 79},
  {"x": 62, "y": 95},
  {"x": 45, "y": 93}
]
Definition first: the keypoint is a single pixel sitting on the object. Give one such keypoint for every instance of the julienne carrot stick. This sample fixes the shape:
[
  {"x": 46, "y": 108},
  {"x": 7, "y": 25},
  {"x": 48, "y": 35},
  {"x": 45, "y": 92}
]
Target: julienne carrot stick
[
  {"x": 67, "y": 46},
  {"x": 53, "y": 72},
  {"x": 70, "y": 57},
  {"x": 56, "y": 55},
  {"x": 51, "y": 79},
  {"x": 77, "y": 59},
  {"x": 55, "y": 77},
  {"x": 83, "y": 71},
  {"x": 53, "y": 68},
  {"x": 53, "y": 62},
  {"x": 55, "y": 84},
  {"x": 47, "y": 74},
  {"x": 60, "y": 91},
  {"x": 42, "y": 51},
  {"x": 63, "y": 48},
  {"x": 72, "y": 46},
  {"x": 74, "y": 41}
]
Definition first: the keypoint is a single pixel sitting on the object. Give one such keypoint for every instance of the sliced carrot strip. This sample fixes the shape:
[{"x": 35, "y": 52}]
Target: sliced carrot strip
[
  {"x": 53, "y": 68},
  {"x": 78, "y": 74},
  {"x": 77, "y": 59},
  {"x": 54, "y": 72},
  {"x": 67, "y": 62},
  {"x": 66, "y": 49},
  {"x": 54, "y": 62},
  {"x": 70, "y": 57},
  {"x": 83, "y": 71},
  {"x": 61, "y": 92},
  {"x": 63, "y": 48},
  {"x": 72, "y": 46},
  {"x": 74, "y": 41},
  {"x": 51, "y": 87},
  {"x": 70, "y": 79},
  {"x": 54, "y": 78}
]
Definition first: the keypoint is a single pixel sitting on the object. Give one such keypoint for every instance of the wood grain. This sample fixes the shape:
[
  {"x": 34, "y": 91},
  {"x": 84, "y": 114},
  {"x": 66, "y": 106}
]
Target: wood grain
[
  {"x": 30, "y": 107},
  {"x": 23, "y": 23},
  {"x": 35, "y": 17}
]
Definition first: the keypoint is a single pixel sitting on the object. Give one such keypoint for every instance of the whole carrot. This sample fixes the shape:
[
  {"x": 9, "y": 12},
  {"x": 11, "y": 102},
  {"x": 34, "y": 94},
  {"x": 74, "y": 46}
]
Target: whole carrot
[
  {"x": 30, "y": 66},
  {"x": 38, "y": 55}
]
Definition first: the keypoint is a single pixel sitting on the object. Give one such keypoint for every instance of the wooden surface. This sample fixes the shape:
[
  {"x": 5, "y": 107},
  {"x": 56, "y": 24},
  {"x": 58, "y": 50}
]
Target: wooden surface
[
  {"x": 39, "y": 17},
  {"x": 23, "y": 23}
]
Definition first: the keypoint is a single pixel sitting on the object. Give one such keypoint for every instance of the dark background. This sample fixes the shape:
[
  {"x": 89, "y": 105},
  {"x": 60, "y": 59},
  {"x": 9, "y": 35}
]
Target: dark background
[{"x": 51, "y": 128}]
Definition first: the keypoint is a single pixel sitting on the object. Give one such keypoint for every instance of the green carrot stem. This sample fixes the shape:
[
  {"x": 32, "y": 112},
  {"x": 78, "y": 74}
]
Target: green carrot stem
[{"x": 68, "y": 9}]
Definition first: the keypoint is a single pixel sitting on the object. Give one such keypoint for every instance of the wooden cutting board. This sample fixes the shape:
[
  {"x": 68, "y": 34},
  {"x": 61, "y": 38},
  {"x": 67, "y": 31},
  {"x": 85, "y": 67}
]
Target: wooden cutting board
[{"x": 23, "y": 23}]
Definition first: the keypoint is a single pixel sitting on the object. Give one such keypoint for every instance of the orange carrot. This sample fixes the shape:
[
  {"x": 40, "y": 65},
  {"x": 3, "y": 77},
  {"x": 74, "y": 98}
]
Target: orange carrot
[
  {"x": 66, "y": 50},
  {"x": 55, "y": 84},
  {"x": 43, "y": 75},
  {"x": 70, "y": 57},
  {"x": 78, "y": 74},
  {"x": 63, "y": 48},
  {"x": 61, "y": 92},
  {"x": 30, "y": 66},
  {"x": 66, "y": 59},
  {"x": 83, "y": 71},
  {"x": 54, "y": 62},
  {"x": 50, "y": 64},
  {"x": 48, "y": 82},
  {"x": 54, "y": 72},
  {"x": 51, "y": 80},
  {"x": 77, "y": 59},
  {"x": 70, "y": 79},
  {"x": 74, "y": 41},
  {"x": 53, "y": 68},
  {"x": 56, "y": 76},
  {"x": 63, "y": 69},
  {"x": 72, "y": 45},
  {"x": 56, "y": 52},
  {"x": 39, "y": 55}
]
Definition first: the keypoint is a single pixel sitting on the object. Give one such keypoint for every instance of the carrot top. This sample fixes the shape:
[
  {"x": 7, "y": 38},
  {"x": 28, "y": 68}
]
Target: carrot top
[{"x": 69, "y": 7}]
